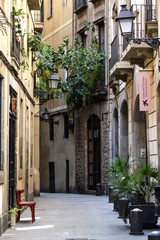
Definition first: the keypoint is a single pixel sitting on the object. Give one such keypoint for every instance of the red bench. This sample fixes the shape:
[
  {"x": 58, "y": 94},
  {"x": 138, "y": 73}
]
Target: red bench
[{"x": 25, "y": 203}]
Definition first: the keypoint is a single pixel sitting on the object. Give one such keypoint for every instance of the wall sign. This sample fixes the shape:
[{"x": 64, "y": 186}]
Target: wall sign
[{"x": 144, "y": 91}]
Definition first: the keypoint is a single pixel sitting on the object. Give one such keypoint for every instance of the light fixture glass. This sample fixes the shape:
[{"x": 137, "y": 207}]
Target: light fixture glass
[
  {"x": 53, "y": 81},
  {"x": 45, "y": 114},
  {"x": 125, "y": 20}
]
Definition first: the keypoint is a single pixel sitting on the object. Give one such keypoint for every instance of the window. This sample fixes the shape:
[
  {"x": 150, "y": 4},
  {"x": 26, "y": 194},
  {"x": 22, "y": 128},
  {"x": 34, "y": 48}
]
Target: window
[
  {"x": 83, "y": 39},
  {"x": 66, "y": 126},
  {"x": 101, "y": 35},
  {"x": 51, "y": 129},
  {"x": 50, "y": 9}
]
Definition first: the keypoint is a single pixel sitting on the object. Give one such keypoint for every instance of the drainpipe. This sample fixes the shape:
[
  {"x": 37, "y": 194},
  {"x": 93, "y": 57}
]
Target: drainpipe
[
  {"x": 106, "y": 21},
  {"x": 106, "y": 44}
]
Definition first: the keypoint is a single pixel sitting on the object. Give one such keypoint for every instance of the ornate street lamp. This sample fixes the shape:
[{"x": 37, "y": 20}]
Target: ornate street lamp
[
  {"x": 125, "y": 20},
  {"x": 53, "y": 81}
]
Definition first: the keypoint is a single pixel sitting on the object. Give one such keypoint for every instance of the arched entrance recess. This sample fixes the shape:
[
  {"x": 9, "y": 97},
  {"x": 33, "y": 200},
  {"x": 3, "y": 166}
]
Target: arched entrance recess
[
  {"x": 124, "y": 130},
  {"x": 115, "y": 134},
  {"x": 140, "y": 135},
  {"x": 94, "y": 155}
]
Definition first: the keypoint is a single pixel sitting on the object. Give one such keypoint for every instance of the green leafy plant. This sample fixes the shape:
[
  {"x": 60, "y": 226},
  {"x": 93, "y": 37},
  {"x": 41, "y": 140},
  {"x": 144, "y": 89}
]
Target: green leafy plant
[
  {"x": 129, "y": 182},
  {"x": 85, "y": 70},
  {"x": 14, "y": 210}
]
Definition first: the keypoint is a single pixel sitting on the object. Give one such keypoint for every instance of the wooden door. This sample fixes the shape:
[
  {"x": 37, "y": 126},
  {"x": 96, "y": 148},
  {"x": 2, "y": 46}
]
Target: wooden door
[
  {"x": 94, "y": 156},
  {"x": 11, "y": 160}
]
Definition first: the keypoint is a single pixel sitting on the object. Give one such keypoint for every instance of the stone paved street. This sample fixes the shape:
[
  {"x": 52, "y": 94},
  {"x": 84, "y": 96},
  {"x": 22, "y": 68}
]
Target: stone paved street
[{"x": 72, "y": 216}]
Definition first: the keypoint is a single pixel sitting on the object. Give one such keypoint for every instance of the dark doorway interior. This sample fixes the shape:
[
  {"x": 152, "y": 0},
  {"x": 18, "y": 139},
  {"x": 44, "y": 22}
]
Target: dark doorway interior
[
  {"x": 94, "y": 156},
  {"x": 67, "y": 176},
  {"x": 51, "y": 177},
  {"x": 12, "y": 134}
]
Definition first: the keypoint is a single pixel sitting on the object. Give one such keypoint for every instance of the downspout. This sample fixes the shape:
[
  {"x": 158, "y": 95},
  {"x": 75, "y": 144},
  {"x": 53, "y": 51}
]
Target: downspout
[{"x": 106, "y": 45}]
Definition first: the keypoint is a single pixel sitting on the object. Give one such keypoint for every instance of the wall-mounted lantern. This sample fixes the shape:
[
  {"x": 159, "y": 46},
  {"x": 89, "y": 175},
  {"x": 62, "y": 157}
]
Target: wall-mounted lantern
[
  {"x": 53, "y": 81},
  {"x": 45, "y": 115}
]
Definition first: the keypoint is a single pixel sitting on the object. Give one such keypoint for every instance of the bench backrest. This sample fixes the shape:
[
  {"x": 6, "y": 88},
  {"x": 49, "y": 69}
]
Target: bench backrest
[{"x": 18, "y": 195}]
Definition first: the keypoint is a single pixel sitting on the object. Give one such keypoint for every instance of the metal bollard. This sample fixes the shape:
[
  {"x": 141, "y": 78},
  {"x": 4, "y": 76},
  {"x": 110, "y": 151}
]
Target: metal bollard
[
  {"x": 157, "y": 200},
  {"x": 110, "y": 194},
  {"x": 136, "y": 220},
  {"x": 155, "y": 235},
  {"x": 98, "y": 189},
  {"x": 123, "y": 206}
]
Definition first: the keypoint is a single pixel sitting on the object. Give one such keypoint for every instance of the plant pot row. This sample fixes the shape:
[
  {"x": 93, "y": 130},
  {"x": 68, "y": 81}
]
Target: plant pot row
[{"x": 150, "y": 214}]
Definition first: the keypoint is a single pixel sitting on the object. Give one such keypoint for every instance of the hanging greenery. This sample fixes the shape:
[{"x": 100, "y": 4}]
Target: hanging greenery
[{"x": 83, "y": 65}]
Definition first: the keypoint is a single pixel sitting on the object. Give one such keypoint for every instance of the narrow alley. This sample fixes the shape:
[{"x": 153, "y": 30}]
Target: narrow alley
[{"x": 72, "y": 217}]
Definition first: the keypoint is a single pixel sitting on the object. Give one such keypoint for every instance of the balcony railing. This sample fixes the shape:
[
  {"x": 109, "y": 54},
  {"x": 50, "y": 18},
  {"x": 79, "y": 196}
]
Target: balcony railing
[
  {"x": 79, "y": 5},
  {"x": 115, "y": 56},
  {"x": 143, "y": 14},
  {"x": 38, "y": 16},
  {"x": 15, "y": 45}
]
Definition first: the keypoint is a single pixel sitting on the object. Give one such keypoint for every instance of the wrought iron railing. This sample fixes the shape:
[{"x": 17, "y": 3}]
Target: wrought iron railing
[
  {"x": 143, "y": 13},
  {"x": 79, "y": 5},
  {"x": 38, "y": 16},
  {"x": 110, "y": 77},
  {"x": 115, "y": 55},
  {"x": 15, "y": 45}
]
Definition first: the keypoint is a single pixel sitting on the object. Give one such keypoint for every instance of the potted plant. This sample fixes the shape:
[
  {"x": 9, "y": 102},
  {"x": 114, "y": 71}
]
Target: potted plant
[
  {"x": 142, "y": 183},
  {"x": 13, "y": 215},
  {"x": 137, "y": 186},
  {"x": 119, "y": 176}
]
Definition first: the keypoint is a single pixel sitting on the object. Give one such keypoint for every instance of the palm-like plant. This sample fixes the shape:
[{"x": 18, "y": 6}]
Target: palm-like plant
[{"x": 128, "y": 183}]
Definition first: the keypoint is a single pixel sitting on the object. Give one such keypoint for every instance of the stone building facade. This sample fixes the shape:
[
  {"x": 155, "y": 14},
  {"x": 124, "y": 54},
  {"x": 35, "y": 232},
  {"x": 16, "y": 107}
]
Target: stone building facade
[
  {"x": 57, "y": 165},
  {"x": 76, "y": 163},
  {"x": 135, "y": 132},
  {"x": 16, "y": 109}
]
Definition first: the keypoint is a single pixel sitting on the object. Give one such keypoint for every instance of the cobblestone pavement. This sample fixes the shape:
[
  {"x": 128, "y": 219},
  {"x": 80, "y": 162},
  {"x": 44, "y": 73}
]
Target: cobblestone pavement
[{"x": 72, "y": 217}]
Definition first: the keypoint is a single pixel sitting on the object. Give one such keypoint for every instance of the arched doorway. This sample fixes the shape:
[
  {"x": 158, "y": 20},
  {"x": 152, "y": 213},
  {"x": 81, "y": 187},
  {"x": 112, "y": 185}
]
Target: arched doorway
[
  {"x": 124, "y": 130},
  {"x": 140, "y": 135},
  {"x": 115, "y": 134},
  {"x": 94, "y": 155}
]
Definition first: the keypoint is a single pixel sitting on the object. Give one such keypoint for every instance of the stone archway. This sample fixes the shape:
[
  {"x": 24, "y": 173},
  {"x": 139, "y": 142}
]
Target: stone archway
[
  {"x": 115, "y": 134},
  {"x": 140, "y": 136},
  {"x": 124, "y": 130}
]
